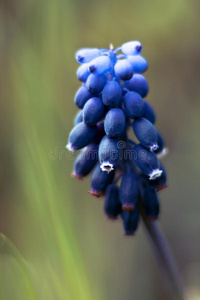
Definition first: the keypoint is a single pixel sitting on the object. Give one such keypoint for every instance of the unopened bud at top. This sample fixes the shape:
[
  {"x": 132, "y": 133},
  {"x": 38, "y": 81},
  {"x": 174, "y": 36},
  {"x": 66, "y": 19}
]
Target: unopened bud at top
[
  {"x": 132, "y": 48},
  {"x": 85, "y": 55},
  {"x": 100, "y": 65}
]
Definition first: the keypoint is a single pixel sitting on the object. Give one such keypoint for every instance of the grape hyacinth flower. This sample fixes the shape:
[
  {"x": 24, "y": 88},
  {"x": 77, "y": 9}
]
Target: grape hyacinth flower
[
  {"x": 128, "y": 173},
  {"x": 111, "y": 99}
]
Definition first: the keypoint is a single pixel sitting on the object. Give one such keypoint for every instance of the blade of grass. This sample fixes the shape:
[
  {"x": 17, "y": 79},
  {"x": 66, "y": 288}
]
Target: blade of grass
[{"x": 6, "y": 247}]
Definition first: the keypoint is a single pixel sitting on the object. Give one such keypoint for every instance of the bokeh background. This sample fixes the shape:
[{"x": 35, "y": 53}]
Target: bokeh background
[{"x": 56, "y": 242}]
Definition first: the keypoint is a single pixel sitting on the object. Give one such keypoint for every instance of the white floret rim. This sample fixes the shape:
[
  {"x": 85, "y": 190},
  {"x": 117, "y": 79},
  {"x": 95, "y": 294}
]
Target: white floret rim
[
  {"x": 154, "y": 147},
  {"x": 70, "y": 147},
  {"x": 106, "y": 166},
  {"x": 155, "y": 174}
]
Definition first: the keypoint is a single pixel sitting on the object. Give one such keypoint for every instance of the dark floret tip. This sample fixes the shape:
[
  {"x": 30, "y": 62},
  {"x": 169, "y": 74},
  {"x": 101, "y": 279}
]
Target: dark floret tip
[
  {"x": 111, "y": 218},
  {"x": 151, "y": 218},
  {"x": 77, "y": 176},
  {"x": 92, "y": 69},
  {"x": 161, "y": 187},
  {"x": 128, "y": 207},
  {"x": 96, "y": 193},
  {"x": 80, "y": 58},
  {"x": 129, "y": 233},
  {"x": 139, "y": 48},
  {"x": 127, "y": 77}
]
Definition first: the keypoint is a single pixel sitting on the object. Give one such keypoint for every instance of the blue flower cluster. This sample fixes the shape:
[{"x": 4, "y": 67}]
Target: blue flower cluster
[{"x": 111, "y": 101}]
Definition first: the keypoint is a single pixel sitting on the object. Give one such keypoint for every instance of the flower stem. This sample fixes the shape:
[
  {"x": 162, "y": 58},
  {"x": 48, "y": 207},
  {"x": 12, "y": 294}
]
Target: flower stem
[{"x": 165, "y": 259}]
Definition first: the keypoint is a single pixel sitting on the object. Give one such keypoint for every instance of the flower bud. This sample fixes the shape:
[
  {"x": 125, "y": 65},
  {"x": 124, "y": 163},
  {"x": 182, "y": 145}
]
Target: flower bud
[
  {"x": 130, "y": 219},
  {"x": 108, "y": 153},
  {"x": 147, "y": 162},
  {"x": 146, "y": 133},
  {"x": 95, "y": 83},
  {"x": 85, "y": 55},
  {"x": 161, "y": 182},
  {"x": 112, "y": 204},
  {"x": 83, "y": 72},
  {"x": 82, "y": 96},
  {"x": 128, "y": 192},
  {"x": 138, "y": 84},
  {"x": 99, "y": 65},
  {"x": 100, "y": 180},
  {"x": 93, "y": 111},
  {"x": 80, "y": 136},
  {"x": 123, "y": 69},
  {"x": 138, "y": 63},
  {"x": 112, "y": 94},
  {"x": 133, "y": 104},
  {"x": 114, "y": 123},
  {"x": 132, "y": 48},
  {"x": 86, "y": 161}
]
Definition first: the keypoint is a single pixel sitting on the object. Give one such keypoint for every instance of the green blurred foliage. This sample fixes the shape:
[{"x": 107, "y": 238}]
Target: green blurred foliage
[{"x": 66, "y": 248}]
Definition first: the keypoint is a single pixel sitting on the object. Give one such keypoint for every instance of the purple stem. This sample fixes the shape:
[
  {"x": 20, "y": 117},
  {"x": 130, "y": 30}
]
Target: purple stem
[{"x": 163, "y": 255}]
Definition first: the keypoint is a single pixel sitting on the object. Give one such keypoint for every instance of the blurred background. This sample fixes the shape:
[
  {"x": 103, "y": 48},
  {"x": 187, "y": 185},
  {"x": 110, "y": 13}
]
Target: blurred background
[{"x": 56, "y": 242}]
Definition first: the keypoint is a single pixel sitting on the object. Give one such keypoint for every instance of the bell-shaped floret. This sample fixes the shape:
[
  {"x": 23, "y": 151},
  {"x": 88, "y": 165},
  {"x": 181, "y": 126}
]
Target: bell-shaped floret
[
  {"x": 99, "y": 65},
  {"x": 93, "y": 111},
  {"x": 139, "y": 63},
  {"x": 134, "y": 105},
  {"x": 128, "y": 192},
  {"x": 123, "y": 69},
  {"x": 132, "y": 48},
  {"x": 130, "y": 220},
  {"x": 146, "y": 133},
  {"x": 95, "y": 83},
  {"x": 80, "y": 136},
  {"x": 108, "y": 153},
  {"x": 112, "y": 94},
  {"x": 86, "y": 161},
  {"x": 114, "y": 123},
  {"x": 100, "y": 180},
  {"x": 147, "y": 162},
  {"x": 161, "y": 182},
  {"x": 112, "y": 204},
  {"x": 85, "y": 55},
  {"x": 82, "y": 96},
  {"x": 138, "y": 84}
]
